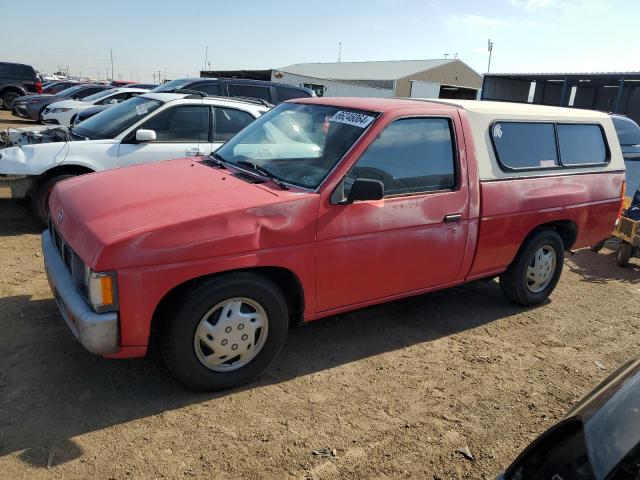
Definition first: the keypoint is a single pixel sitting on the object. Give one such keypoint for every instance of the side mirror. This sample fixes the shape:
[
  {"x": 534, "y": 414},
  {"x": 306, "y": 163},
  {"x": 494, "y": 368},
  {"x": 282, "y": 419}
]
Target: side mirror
[
  {"x": 143, "y": 135},
  {"x": 365, "y": 189}
]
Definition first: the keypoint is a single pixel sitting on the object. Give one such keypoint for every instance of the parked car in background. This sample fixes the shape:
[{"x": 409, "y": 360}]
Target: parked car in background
[
  {"x": 629, "y": 136},
  {"x": 90, "y": 112},
  {"x": 269, "y": 92},
  {"x": 148, "y": 86},
  {"x": 17, "y": 80},
  {"x": 32, "y": 106},
  {"x": 321, "y": 206},
  {"x": 122, "y": 83},
  {"x": 146, "y": 128},
  {"x": 64, "y": 112},
  {"x": 598, "y": 439},
  {"x": 52, "y": 88}
]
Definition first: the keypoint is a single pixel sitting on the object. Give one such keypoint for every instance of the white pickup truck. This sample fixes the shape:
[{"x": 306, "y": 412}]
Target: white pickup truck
[{"x": 146, "y": 128}]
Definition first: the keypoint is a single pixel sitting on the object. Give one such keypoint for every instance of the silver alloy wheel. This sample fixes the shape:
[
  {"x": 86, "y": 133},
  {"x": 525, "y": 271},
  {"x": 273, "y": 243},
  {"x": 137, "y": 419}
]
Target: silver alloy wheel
[
  {"x": 231, "y": 334},
  {"x": 541, "y": 269}
]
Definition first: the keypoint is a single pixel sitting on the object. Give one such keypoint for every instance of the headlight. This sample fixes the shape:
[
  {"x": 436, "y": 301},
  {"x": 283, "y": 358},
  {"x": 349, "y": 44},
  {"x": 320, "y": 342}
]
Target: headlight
[
  {"x": 102, "y": 290},
  {"x": 58, "y": 110}
]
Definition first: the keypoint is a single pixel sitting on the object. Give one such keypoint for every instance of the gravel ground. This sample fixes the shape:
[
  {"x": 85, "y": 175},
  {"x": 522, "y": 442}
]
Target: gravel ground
[
  {"x": 8, "y": 120},
  {"x": 391, "y": 391}
]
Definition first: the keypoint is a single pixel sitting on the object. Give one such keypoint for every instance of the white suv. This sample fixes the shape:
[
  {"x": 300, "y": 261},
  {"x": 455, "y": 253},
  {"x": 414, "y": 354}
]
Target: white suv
[
  {"x": 64, "y": 112},
  {"x": 146, "y": 128}
]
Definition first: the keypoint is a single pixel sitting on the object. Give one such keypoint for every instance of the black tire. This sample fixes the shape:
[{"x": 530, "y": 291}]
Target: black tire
[
  {"x": 513, "y": 281},
  {"x": 8, "y": 99},
  {"x": 597, "y": 247},
  {"x": 623, "y": 254},
  {"x": 179, "y": 327},
  {"x": 39, "y": 197}
]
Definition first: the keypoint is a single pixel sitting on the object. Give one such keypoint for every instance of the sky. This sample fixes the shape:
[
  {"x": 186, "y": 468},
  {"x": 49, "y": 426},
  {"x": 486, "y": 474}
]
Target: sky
[{"x": 171, "y": 37}]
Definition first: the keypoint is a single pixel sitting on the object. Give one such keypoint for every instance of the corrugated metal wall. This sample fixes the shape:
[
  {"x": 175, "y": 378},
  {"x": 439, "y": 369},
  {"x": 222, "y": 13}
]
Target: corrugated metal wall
[
  {"x": 333, "y": 88},
  {"x": 456, "y": 74}
]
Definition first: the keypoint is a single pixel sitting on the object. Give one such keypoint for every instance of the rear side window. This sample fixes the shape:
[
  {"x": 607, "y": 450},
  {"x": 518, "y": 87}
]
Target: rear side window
[
  {"x": 228, "y": 122},
  {"x": 250, "y": 91},
  {"x": 16, "y": 71},
  {"x": 525, "y": 145},
  {"x": 534, "y": 146},
  {"x": 211, "y": 89},
  {"x": 581, "y": 145},
  {"x": 286, "y": 93},
  {"x": 412, "y": 155}
]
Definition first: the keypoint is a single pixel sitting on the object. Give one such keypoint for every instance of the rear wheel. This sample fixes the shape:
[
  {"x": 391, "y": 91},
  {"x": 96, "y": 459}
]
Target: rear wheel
[
  {"x": 535, "y": 272},
  {"x": 623, "y": 254},
  {"x": 40, "y": 196},
  {"x": 225, "y": 332},
  {"x": 8, "y": 98}
]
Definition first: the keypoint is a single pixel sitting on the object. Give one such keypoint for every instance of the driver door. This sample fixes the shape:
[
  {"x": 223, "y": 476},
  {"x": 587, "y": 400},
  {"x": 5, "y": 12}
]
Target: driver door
[
  {"x": 181, "y": 131},
  {"x": 412, "y": 239}
]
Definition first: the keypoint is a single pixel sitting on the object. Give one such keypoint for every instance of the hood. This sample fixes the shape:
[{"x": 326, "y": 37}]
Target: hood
[
  {"x": 68, "y": 103},
  {"x": 176, "y": 211}
]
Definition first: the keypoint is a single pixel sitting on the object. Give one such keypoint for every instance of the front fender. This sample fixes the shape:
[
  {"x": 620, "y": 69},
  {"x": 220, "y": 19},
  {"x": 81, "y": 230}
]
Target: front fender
[{"x": 32, "y": 159}]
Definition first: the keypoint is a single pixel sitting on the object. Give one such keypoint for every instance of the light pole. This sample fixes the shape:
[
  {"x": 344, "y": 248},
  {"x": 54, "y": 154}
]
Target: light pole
[{"x": 490, "y": 48}]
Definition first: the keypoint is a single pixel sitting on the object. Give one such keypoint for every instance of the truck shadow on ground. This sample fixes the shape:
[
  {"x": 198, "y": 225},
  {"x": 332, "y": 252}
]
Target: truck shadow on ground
[
  {"x": 16, "y": 218},
  {"x": 51, "y": 390},
  {"x": 601, "y": 267}
]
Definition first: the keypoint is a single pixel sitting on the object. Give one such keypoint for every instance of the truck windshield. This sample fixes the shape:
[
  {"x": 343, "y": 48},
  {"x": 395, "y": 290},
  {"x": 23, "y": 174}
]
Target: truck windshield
[
  {"x": 297, "y": 143},
  {"x": 113, "y": 121}
]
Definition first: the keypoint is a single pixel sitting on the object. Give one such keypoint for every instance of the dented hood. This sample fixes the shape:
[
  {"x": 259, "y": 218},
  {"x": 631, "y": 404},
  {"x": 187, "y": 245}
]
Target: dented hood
[{"x": 176, "y": 211}]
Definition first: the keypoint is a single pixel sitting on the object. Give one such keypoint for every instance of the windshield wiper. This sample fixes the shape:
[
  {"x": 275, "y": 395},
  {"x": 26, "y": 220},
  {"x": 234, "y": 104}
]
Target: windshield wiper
[
  {"x": 217, "y": 160},
  {"x": 264, "y": 172}
]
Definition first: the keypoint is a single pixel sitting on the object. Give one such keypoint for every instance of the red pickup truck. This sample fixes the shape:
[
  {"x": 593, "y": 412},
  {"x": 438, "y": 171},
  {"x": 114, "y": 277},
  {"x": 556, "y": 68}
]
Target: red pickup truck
[{"x": 322, "y": 206}]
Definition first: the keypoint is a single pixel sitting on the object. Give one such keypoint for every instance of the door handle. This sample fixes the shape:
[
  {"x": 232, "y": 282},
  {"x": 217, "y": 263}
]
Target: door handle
[{"x": 452, "y": 218}]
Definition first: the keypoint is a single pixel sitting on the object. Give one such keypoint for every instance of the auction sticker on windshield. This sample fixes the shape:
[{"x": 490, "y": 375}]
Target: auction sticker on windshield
[{"x": 352, "y": 118}]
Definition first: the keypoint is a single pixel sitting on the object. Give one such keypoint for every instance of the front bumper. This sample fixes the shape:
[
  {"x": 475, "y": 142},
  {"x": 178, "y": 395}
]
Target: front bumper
[
  {"x": 25, "y": 111},
  {"x": 97, "y": 332}
]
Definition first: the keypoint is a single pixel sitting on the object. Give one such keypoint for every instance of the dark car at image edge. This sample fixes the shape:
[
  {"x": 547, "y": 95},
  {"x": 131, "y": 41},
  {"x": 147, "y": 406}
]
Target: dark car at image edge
[
  {"x": 17, "y": 80},
  {"x": 270, "y": 92}
]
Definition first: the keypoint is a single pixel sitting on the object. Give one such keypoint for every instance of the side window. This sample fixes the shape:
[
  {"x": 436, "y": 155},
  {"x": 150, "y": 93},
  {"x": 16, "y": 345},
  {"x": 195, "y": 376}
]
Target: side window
[
  {"x": 119, "y": 98},
  {"x": 251, "y": 91},
  {"x": 228, "y": 122},
  {"x": 412, "y": 155},
  {"x": 89, "y": 91},
  {"x": 521, "y": 145},
  {"x": 186, "y": 123},
  {"x": 286, "y": 93},
  {"x": 212, "y": 89},
  {"x": 581, "y": 144}
]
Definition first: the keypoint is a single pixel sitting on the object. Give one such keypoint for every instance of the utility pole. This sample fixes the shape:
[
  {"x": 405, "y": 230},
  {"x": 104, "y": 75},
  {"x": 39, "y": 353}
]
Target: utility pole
[
  {"x": 490, "y": 48},
  {"x": 159, "y": 81},
  {"x": 206, "y": 57},
  {"x": 339, "y": 51},
  {"x": 113, "y": 73}
]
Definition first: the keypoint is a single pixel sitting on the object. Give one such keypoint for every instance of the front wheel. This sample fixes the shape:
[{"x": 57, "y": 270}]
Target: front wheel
[
  {"x": 40, "y": 196},
  {"x": 535, "y": 272},
  {"x": 225, "y": 332}
]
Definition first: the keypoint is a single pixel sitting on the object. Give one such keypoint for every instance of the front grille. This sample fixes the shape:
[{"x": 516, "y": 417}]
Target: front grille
[
  {"x": 626, "y": 226},
  {"x": 69, "y": 257}
]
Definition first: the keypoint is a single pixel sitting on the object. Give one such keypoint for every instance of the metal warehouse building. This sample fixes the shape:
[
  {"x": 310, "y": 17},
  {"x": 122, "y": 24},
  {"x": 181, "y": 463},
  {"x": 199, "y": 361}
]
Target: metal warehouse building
[
  {"x": 439, "y": 78},
  {"x": 607, "y": 92}
]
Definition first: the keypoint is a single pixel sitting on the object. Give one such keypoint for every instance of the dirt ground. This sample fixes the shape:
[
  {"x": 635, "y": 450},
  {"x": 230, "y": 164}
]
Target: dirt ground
[
  {"x": 396, "y": 389},
  {"x": 8, "y": 120}
]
